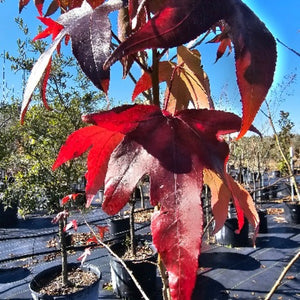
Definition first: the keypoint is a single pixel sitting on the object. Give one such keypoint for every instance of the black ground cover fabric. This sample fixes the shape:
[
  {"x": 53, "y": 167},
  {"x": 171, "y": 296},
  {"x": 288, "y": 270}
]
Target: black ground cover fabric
[{"x": 224, "y": 273}]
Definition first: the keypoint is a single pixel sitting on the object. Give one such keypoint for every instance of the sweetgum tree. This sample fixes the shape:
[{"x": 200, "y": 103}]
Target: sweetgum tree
[{"x": 179, "y": 148}]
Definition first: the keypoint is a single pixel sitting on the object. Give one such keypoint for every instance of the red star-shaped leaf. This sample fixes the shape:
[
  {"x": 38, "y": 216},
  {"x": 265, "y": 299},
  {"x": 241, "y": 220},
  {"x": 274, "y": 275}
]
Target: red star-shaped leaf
[
  {"x": 100, "y": 143},
  {"x": 173, "y": 151},
  {"x": 53, "y": 28}
]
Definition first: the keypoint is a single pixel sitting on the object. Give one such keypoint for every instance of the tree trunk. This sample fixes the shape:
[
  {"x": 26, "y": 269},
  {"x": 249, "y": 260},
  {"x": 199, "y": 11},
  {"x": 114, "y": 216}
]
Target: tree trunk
[
  {"x": 63, "y": 251},
  {"x": 132, "y": 234}
]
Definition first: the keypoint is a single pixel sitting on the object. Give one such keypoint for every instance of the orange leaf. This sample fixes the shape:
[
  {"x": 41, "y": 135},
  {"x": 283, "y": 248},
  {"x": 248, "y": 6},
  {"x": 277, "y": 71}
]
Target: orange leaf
[
  {"x": 186, "y": 81},
  {"x": 145, "y": 83},
  {"x": 192, "y": 61},
  {"x": 224, "y": 189},
  {"x": 220, "y": 197},
  {"x": 245, "y": 201}
]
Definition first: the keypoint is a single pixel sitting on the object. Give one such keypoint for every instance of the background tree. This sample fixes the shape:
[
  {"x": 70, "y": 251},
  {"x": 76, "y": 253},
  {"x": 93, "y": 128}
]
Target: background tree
[
  {"x": 285, "y": 136},
  {"x": 27, "y": 151},
  {"x": 8, "y": 117},
  {"x": 277, "y": 96}
]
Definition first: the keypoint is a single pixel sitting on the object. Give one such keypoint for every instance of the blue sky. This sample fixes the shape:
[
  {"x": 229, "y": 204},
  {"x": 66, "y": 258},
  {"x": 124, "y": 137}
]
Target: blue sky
[{"x": 281, "y": 17}]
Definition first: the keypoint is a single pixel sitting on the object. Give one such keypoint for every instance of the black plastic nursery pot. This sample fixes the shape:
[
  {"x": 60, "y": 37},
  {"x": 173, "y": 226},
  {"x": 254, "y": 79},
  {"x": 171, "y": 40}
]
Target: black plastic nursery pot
[
  {"x": 119, "y": 228},
  {"x": 68, "y": 238},
  {"x": 9, "y": 216},
  {"x": 263, "y": 221},
  {"x": 91, "y": 292},
  {"x": 143, "y": 270},
  {"x": 292, "y": 212},
  {"x": 227, "y": 235}
]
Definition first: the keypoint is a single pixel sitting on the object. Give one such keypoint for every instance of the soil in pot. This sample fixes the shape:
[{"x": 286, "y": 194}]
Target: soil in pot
[
  {"x": 85, "y": 283},
  {"x": 292, "y": 212},
  {"x": 141, "y": 215},
  {"x": 227, "y": 234},
  {"x": 143, "y": 268}
]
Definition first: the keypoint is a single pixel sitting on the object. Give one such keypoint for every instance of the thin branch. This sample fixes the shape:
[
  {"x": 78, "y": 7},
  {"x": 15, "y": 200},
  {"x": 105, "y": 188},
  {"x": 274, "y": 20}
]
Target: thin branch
[
  {"x": 200, "y": 41},
  {"x": 134, "y": 57},
  {"x": 285, "y": 270},
  {"x": 5, "y": 122},
  {"x": 165, "y": 280},
  {"x": 270, "y": 185},
  {"x": 119, "y": 259},
  {"x": 294, "y": 51},
  {"x": 207, "y": 225},
  {"x": 155, "y": 78},
  {"x": 281, "y": 151}
]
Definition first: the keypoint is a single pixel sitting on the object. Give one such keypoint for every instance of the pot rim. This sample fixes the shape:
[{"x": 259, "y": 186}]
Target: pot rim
[{"x": 56, "y": 269}]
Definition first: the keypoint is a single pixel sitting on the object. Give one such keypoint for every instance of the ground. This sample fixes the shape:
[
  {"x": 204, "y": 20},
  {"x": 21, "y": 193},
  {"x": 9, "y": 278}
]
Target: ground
[{"x": 225, "y": 272}]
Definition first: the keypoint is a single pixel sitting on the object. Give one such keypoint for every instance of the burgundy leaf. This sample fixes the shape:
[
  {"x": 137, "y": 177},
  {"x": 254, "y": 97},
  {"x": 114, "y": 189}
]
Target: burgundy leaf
[
  {"x": 255, "y": 56},
  {"x": 60, "y": 216},
  {"x": 66, "y": 199},
  {"x": 71, "y": 224},
  {"x": 177, "y": 229},
  {"x": 22, "y": 4},
  {"x": 173, "y": 151},
  {"x": 176, "y": 23},
  {"x": 53, "y": 28},
  {"x": 53, "y": 7},
  {"x": 97, "y": 163},
  {"x": 124, "y": 30},
  {"x": 77, "y": 143},
  {"x": 180, "y": 215},
  {"x": 181, "y": 21},
  {"x": 102, "y": 230},
  {"x": 224, "y": 41},
  {"x": 92, "y": 240},
  {"x": 243, "y": 202},
  {"x": 172, "y": 140},
  {"x": 90, "y": 32},
  {"x": 39, "y": 5}
]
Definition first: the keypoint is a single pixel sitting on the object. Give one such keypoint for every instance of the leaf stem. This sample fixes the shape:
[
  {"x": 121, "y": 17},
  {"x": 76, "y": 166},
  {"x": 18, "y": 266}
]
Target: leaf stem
[
  {"x": 164, "y": 277},
  {"x": 63, "y": 251},
  {"x": 285, "y": 270},
  {"x": 143, "y": 67},
  {"x": 155, "y": 78}
]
